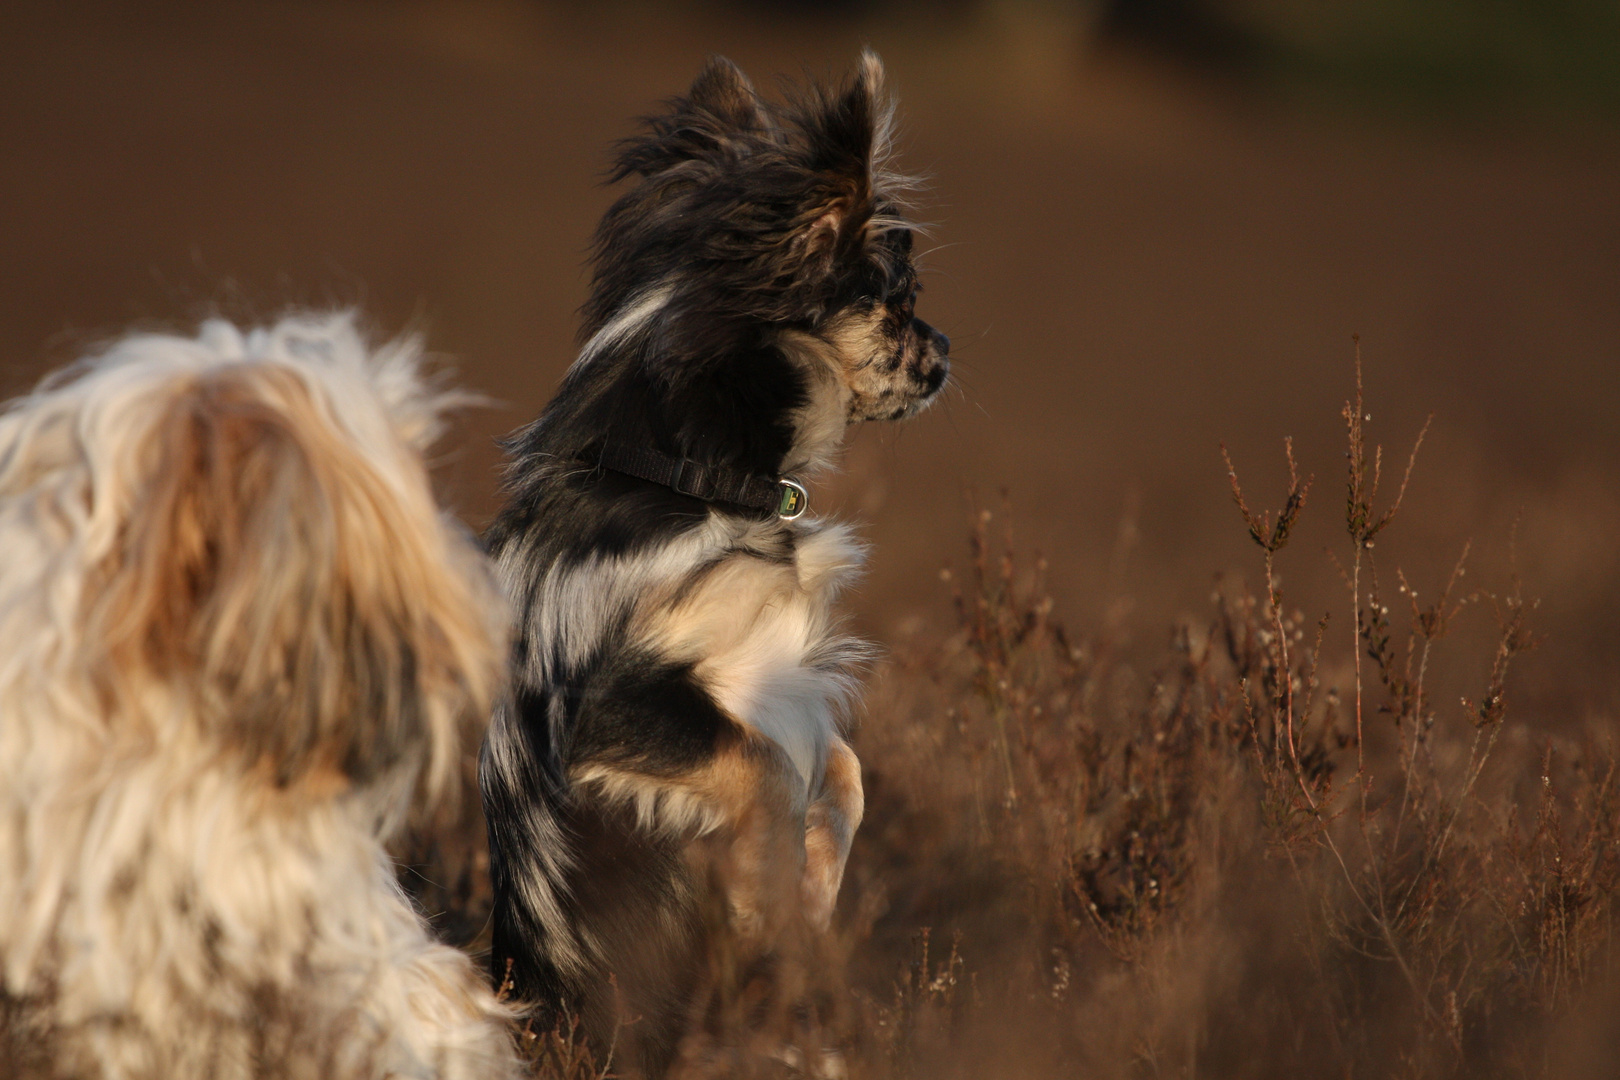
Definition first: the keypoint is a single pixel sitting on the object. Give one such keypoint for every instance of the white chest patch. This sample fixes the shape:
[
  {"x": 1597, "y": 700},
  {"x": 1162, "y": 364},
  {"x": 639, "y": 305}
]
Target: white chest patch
[{"x": 764, "y": 639}]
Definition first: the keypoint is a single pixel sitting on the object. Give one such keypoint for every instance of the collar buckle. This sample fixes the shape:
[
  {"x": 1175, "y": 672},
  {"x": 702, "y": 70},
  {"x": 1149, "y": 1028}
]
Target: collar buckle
[{"x": 690, "y": 478}]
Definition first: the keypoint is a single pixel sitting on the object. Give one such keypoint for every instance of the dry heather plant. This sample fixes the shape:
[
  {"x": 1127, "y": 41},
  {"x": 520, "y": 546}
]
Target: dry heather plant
[
  {"x": 1216, "y": 866},
  {"x": 1270, "y": 851}
]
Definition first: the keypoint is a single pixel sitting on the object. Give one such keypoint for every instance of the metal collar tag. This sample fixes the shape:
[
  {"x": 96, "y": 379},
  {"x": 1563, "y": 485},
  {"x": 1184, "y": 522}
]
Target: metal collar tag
[{"x": 794, "y": 501}]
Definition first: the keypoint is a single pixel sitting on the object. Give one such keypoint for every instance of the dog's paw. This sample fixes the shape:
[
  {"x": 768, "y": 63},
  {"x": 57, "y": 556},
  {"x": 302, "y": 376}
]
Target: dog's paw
[
  {"x": 823, "y": 1064},
  {"x": 823, "y": 873}
]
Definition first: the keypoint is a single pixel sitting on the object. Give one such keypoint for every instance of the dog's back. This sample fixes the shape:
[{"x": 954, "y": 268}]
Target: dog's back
[{"x": 235, "y": 637}]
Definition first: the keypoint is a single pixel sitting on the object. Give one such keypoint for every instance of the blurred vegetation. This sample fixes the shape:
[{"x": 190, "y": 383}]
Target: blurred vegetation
[
  {"x": 1455, "y": 56},
  {"x": 1460, "y": 54}
]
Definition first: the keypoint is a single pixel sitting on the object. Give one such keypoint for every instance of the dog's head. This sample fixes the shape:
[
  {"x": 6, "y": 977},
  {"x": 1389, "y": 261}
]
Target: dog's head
[
  {"x": 758, "y": 236},
  {"x": 258, "y": 562}
]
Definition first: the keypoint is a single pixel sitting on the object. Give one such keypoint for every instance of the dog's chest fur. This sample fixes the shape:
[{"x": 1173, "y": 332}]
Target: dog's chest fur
[
  {"x": 746, "y": 607},
  {"x": 761, "y": 637}
]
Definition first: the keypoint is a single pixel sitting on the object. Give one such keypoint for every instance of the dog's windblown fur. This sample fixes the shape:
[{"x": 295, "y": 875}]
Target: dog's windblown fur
[
  {"x": 677, "y": 726},
  {"x": 236, "y": 634}
]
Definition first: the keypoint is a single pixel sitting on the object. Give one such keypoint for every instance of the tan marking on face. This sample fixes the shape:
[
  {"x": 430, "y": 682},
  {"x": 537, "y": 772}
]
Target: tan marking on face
[
  {"x": 878, "y": 368},
  {"x": 820, "y": 425},
  {"x": 862, "y": 346}
]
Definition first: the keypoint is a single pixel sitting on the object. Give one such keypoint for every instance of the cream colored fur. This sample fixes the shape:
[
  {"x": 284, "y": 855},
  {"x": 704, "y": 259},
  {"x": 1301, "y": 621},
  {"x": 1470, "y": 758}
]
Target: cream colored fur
[{"x": 236, "y": 635}]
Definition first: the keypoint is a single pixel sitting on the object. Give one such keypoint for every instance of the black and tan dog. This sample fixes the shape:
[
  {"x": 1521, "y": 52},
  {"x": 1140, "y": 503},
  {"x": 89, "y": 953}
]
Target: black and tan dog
[{"x": 681, "y": 680}]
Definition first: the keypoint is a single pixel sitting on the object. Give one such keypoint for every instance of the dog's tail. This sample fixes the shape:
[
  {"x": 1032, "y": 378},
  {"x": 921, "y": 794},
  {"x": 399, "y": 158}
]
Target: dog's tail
[{"x": 537, "y": 956}]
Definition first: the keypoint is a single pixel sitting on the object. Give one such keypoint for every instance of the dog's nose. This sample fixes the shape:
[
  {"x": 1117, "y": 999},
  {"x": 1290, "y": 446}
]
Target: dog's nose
[{"x": 941, "y": 343}]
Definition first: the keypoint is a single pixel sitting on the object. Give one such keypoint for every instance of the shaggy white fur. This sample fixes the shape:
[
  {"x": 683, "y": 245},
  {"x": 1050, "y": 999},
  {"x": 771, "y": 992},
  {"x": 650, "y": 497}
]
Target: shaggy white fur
[{"x": 236, "y": 636}]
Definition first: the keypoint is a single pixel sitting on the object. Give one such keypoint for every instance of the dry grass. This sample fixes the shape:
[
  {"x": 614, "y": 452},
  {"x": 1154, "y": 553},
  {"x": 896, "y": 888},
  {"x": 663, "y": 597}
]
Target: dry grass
[{"x": 1272, "y": 852}]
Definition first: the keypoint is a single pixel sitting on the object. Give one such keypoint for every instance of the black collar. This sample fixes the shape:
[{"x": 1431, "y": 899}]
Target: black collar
[{"x": 783, "y": 496}]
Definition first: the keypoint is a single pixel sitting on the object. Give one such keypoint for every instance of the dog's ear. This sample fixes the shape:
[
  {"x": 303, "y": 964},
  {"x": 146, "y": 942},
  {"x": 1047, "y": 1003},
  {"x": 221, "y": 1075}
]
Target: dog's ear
[
  {"x": 846, "y": 138},
  {"x": 287, "y": 569},
  {"x": 720, "y": 117},
  {"x": 722, "y": 91}
]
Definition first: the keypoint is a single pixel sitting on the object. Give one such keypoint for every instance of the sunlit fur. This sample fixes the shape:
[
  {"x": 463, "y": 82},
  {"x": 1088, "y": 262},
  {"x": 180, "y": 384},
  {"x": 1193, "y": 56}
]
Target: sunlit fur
[
  {"x": 236, "y": 635},
  {"x": 677, "y": 738}
]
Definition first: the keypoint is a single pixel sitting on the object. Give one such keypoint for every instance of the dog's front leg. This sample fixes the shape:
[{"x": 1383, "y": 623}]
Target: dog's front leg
[
  {"x": 764, "y": 805},
  {"x": 829, "y": 830},
  {"x": 744, "y": 810}
]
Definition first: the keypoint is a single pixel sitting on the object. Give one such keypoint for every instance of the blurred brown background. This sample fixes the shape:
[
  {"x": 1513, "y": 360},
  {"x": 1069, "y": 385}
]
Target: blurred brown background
[{"x": 1157, "y": 226}]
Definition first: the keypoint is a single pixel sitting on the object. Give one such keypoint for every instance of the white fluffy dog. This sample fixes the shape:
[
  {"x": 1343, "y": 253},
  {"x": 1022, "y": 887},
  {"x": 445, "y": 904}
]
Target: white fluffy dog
[{"x": 236, "y": 636}]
